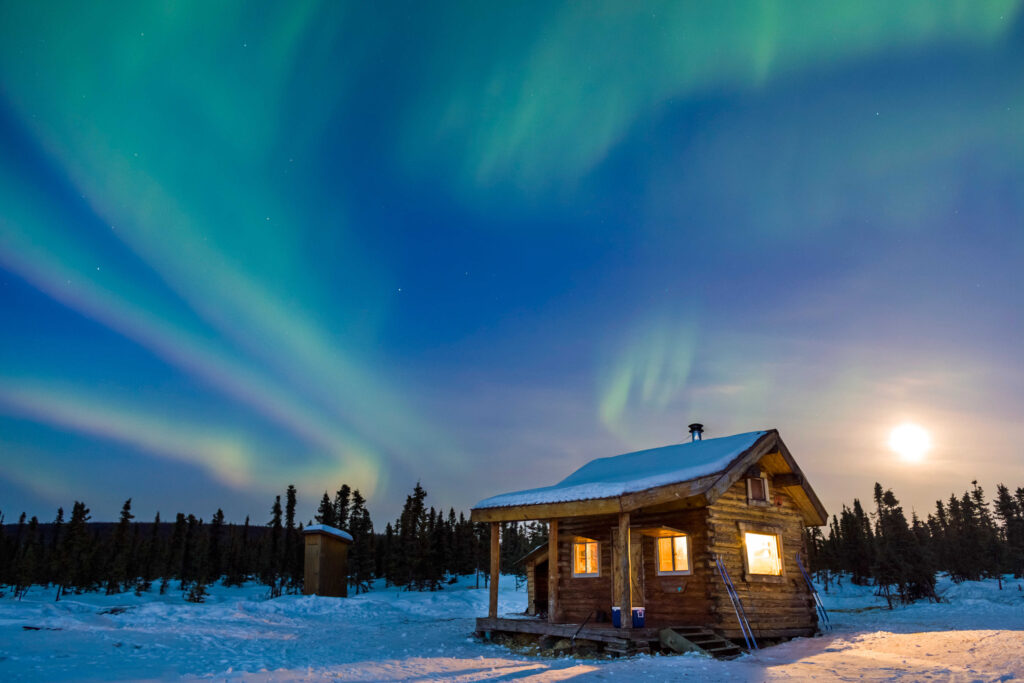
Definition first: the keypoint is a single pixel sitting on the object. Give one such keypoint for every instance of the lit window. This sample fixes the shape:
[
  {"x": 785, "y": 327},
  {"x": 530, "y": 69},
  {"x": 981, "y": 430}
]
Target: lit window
[
  {"x": 673, "y": 555},
  {"x": 584, "y": 558},
  {"x": 762, "y": 554}
]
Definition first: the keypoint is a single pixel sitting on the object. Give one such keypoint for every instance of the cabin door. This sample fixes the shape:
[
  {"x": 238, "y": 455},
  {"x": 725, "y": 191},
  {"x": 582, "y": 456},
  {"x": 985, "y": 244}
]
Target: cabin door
[{"x": 636, "y": 568}]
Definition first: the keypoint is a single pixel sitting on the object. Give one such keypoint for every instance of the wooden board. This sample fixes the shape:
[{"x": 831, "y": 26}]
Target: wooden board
[{"x": 492, "y": 609}]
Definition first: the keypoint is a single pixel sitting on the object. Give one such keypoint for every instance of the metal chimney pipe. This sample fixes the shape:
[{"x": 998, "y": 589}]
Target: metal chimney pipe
[{"x": 696, "y": 431}]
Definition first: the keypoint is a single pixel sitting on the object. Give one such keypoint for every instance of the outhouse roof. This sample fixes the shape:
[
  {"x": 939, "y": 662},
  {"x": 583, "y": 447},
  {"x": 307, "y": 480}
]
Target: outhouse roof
[{"x": 330, "y": 530}]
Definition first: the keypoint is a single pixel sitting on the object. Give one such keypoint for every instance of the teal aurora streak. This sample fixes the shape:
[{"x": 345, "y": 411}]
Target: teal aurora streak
[{"x": 324, "y": 242}]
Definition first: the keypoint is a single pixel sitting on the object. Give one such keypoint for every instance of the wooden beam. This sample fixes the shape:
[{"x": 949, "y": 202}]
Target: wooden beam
[
  {"x": 658, "y": 531},
  {"x": 520, "y": 513},
  {"x": 553, "y": 570},
  {"x": 786, "y": 480},
  {"x": 492, "y": 610},
  {"x": 626, "y": 580},
  {"x": 668, "y": 493}
]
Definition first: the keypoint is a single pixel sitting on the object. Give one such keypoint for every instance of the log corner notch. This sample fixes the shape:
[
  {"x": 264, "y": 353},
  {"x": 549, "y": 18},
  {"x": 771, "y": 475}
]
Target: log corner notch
[
  {"x": 626, "y": 576},
  {"x": 492, "y": 608}
]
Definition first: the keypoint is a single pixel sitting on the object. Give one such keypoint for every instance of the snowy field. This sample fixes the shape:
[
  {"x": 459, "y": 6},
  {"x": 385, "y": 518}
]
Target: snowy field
[{"x": 978, "y": 635}]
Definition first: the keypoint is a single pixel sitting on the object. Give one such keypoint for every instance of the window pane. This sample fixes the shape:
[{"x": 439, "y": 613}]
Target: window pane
[
  {"x": 592, "y": 558},
  {"x": 757, "y": 489},
  {"x": 665, "y": 554},
  {"x": 579, "y": 558},
  {"x": 763, "y": 554},
  {"x": 679, "y": 553}
]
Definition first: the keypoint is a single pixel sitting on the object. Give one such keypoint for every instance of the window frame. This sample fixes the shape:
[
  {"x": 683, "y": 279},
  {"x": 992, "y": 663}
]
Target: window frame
[
  {"x": 597, "y": 558},
  {"x": 674, "y": 572},
  {"x": 767, "y": 494},
  {"x": 764, "y": 530}
]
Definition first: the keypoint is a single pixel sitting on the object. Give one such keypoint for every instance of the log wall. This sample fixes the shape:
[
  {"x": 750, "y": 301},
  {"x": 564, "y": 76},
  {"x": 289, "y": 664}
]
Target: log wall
[
  {"x": 774, "y": 605},
  {"x": 667, "y": 599}
]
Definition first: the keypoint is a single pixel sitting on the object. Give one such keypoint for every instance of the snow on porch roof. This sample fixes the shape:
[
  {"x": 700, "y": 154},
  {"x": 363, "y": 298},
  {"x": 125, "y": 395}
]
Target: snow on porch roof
[{"x": 632, "y": 472}]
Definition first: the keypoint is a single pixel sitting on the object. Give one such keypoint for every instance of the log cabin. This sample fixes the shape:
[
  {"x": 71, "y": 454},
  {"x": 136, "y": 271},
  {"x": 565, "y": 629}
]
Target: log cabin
[{"x": 700, "y": 537}]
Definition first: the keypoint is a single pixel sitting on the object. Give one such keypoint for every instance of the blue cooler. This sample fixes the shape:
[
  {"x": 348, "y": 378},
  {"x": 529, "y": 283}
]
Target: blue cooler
[
  {"x": 638, "y": 617},
  {"x": 617, "y": 617}
]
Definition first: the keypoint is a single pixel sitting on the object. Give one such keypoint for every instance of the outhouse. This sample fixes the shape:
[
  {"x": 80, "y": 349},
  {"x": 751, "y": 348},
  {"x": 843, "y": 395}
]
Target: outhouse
[{"x": 326, "y": 565}]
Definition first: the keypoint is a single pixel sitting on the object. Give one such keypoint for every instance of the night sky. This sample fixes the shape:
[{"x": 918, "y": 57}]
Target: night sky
[{"x": 244, "y": 245}]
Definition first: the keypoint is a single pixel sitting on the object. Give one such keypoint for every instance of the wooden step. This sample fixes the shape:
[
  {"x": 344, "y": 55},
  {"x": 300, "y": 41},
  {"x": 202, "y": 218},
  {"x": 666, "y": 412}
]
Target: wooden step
[{"x": 699, "y": 640}]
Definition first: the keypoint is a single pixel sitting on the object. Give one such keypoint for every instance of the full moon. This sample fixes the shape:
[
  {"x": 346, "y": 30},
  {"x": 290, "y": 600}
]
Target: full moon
[{"x": 910, "y": 441}]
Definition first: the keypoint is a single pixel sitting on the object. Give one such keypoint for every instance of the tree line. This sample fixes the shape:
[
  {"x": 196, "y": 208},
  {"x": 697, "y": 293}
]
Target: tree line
[
  {"x": 421, "y": 550},
  {"x": 968, "y": 537}
]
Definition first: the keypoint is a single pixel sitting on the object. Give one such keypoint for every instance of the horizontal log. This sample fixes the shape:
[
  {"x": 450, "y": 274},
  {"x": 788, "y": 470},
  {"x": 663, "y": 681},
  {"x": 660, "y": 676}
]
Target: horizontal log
[
  {"x": 806, "y": 632},
  {"x": 520, "y": 513},
  {"x": 787, "y": 480}
]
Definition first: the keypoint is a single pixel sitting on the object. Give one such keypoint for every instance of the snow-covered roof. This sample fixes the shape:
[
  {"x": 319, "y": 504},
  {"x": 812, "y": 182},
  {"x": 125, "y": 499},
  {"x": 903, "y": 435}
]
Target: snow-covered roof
[
  {"x": 632, "y": 472},
  {"x": 323, "y": 528}
]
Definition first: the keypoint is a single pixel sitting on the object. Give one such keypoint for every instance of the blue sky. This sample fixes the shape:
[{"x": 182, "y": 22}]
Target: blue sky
[{"x": 479, "y": 245}]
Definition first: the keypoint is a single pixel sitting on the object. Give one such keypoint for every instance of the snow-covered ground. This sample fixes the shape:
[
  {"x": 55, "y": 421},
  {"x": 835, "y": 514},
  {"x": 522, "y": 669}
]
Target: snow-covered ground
[{"x": 387, "y": 635}]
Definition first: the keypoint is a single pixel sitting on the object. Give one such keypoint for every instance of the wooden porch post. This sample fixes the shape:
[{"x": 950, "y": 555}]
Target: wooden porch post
[
  {"x": 492, "y": 610},
  {"x": 626, "y": 580},
  {"x": 552, "y": 570}
]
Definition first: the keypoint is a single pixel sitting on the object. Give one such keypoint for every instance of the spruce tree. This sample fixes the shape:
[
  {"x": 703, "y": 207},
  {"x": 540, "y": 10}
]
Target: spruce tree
[
  {"x": 361, "y": 560},
  {"x": 341, "y": 503},
  {"x": 77, "y": 552},
  {"x": 150, "y": 564},
  {"x": 899, "y": 559},
  {"x": 386, "y": 556},
  {"x": 292, "y": 564},
  {"x": 237, "y": 564},
  {"x": 215, "y": 551},
  {"x": 270, "y": 571},
  {"x": 1011, "y": 517},
  {"x": 55, "y": 559},
  {"x": 27, "y": 562},
  {"x": 190, "y": 560},
  {"x": 175, "y": 553},
  {"x": 199, "y": 567},
  {"x": 6, "y": 554},
  {"x": 119, "y": 551},
  {"x": 325, "y": 513}
]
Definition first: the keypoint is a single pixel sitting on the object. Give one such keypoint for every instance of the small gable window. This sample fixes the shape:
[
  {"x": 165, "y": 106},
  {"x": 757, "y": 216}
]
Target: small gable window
[
  {"x": 585, "y": 556},
  {"x": 673, "y": 555},
  {"x": 757, "y": 490}
]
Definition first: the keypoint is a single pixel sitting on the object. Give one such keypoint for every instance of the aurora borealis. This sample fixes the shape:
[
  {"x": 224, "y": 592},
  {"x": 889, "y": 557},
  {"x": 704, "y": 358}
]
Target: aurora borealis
[{"x": 478, "y": 244}]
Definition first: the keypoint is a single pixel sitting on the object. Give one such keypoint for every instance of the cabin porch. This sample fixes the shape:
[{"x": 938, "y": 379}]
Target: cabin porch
[{"x": 607, "y": 638}]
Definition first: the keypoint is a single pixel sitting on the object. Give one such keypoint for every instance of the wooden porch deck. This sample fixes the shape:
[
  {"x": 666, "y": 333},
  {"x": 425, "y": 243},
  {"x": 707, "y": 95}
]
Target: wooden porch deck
[
  {"x": 602, "y": 632},
  {"x": 615, "y": 640}
]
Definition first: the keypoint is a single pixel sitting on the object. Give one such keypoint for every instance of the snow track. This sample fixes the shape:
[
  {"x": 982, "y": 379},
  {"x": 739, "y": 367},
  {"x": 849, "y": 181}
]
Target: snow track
[{"x": 389, "y": 635}]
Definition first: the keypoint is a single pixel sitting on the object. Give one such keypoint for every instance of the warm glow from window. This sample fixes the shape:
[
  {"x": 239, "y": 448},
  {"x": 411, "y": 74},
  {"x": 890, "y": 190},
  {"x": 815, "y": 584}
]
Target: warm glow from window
[
  {"x": 584, "y": 559},
  {"x": 673, "y": 557},
  {"x": 762, "y": 554}
]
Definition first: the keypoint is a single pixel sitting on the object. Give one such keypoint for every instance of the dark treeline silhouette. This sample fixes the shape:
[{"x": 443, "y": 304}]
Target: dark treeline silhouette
[
  {"x": 420, "y": 550},
  {"x": 967, "y": 537}
]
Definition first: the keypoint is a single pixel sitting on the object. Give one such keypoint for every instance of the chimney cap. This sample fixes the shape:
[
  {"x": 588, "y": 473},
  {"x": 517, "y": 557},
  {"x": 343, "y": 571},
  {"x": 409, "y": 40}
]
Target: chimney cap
[{"x": 696, "y": 431}]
